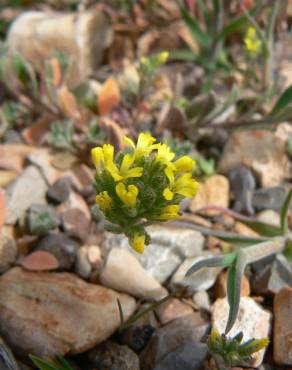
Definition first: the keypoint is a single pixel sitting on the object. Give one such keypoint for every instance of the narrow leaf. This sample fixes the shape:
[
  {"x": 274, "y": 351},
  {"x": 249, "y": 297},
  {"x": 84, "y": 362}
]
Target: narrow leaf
[
  {"x": 283, "y": 101},
  {"x": 201, "y": 37},
  {"x": 207, "y": 14},
  {"x": 43, "y": 364},
  {"x": 234, "y": 278},
  {"x": 263, "y": 228},
  {"x": 120, "y": 312},
  {"x": 183, "y": 54},
  {"x": 64, "y": 363},
  {"x": 240, "y": 240},
  {"x": 284, "y": 211},
  {"x": 236, "y": 24},
  {"x": 220, "y": 261}
]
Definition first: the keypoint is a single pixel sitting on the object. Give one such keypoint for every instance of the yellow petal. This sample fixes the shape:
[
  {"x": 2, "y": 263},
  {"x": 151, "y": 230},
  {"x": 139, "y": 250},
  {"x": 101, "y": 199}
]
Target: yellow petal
[
  {"x": 108, "y": 152},
  {"x": 169, "y": 212},
  {"x": 113, "y": 170},
  {"x": 97, "y": 157},
  {"x": 134, "y": 172},
  {"x": 169, "y": 174},
  {"x": 145, "y": 140},
  {"x": 127, "y": 163},
  {"x": 138, "y": 243},
  {"x": 167, "y": 194},
  {"x": 164, "y": 154},
  {"x": 184, "y": 164},
  {"x": 127, "y": 196},
  {"x": 163, "y": 56},
  {"x": 104, "y": 201},
  {"x": 129, "y": 142}
]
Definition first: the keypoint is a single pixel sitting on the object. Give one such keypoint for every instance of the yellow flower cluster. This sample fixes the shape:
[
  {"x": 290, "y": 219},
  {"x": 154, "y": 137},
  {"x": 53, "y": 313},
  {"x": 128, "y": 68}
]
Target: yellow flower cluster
[
  {"x": 144, "y": 184},
  {"x": 252, "y": 42}
]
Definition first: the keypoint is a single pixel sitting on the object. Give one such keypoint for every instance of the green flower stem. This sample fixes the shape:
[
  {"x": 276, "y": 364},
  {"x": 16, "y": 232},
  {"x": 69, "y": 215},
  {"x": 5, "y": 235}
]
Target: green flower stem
[{"x": 126, "y": 324}]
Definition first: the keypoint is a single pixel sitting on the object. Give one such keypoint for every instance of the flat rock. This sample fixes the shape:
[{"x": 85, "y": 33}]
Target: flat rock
[
  {"x": 43, "y": 159},
  {"x": 259, "y": 150},
  {"x": 123, "y": 272},
  {"x": 172, "y": 309},
  {"x": 13, "y": 156},
  {"x": 283, "y": 327},
  {"x": 87, "y": 35},
  {"x": 60, "y": 190},
  {"x": 76, "y": 223},
  {"x": 213, "y": 192},
  {"x": 189, "y": 356},
  {"x": 30, "y": 188},
  {"x": 242, "y": 184},
  {"x": 269, "y": 198},
  {"x": 66, "y": 315},
  {"x": 171, "y": 337},
  {"x": 201, "y": 280},
  {"x": 271, "y": 274},
  {"x": 170, "y": 245},
  {"x": 252, "y": 320},
  {"x": 8, "y": 252}
]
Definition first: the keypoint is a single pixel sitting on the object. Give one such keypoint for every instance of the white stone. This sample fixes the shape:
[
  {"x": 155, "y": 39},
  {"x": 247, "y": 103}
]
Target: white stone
[
  {"x": 30, "y": 188},
  {"x": 123, "y": 272},
  {"x": 170, "y": 245},
  {"x": 201, "y": 280}
]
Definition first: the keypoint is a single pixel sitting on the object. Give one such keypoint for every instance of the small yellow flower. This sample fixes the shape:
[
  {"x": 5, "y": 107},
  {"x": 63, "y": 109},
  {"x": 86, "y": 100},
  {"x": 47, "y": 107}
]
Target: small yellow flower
[
  {"x": 184, "y": 164},
  {"x": 103, "y": 158},
  {"x": 169, "y": 213},
  {"x": 185, "y": 185},
  {"x": 162, "y": 57},
  {"x": 138, "y": 242},
  {"x": 104, "y": 201},
  {"x": 127, "y": 196},
  {"x": 98, "y": 158},
  {"x": 144, "y": 144},
  {"x": 164, "y": 154},
  {"x": 251, "y": 40}
]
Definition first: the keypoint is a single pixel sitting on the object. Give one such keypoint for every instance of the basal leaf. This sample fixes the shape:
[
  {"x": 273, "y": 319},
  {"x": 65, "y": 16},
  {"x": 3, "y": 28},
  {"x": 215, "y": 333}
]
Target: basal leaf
[
  {"x": 220, "y": 261},
  {"x": 43, "y": 364},
  {"x": 64, "y": 363},
  {"x": 288, "y": 250},
  {"x": 262, "y": 228},
  {"x": 283, "y": 101},
  {"x": 235, "y": 24},
  {"x": 284, "y": 211},
  {"x": 183, "y": 54},
  {"x": 198, "y": 34},
  {"x": 234, "y": 278}
]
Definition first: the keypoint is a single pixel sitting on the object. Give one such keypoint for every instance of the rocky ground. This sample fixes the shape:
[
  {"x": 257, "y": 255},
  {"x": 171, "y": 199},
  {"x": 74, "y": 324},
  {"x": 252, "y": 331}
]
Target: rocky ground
[{"x": 62, "y": 274}]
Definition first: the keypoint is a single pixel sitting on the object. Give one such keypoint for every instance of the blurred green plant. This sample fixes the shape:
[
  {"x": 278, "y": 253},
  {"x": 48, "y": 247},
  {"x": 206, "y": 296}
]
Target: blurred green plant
[
  {"x": 61, "y": 135},
  {"x": 210, "y": 29},
  {"x": 272, "y": 240},
  {"x": 59, "y": 363},
  {"x": 40, "y": 221},
  {"x": 289, "y": 147},
  {"x": 229, "y": 352}
]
